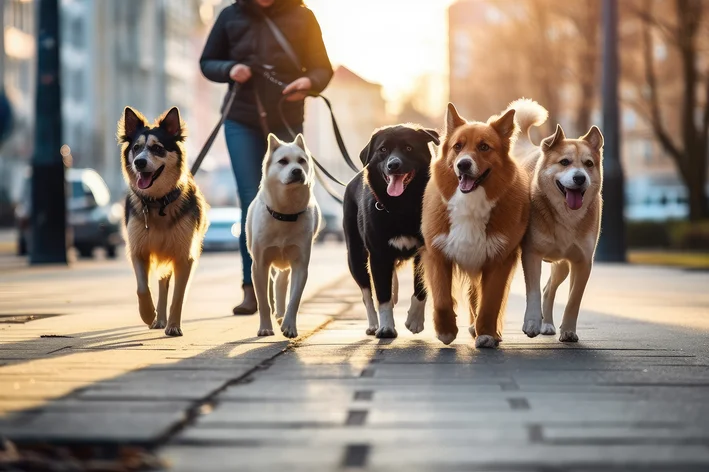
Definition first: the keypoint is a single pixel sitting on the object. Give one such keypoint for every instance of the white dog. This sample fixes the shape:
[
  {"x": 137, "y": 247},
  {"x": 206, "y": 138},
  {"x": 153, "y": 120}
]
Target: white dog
[{"x": 281, "y": 225}]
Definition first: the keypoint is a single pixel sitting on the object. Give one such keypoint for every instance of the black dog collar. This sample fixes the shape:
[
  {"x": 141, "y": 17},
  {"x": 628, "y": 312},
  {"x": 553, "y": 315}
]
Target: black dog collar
[
  {"x": 292, "y": 217},
  {"x": 162, "y": 202}
]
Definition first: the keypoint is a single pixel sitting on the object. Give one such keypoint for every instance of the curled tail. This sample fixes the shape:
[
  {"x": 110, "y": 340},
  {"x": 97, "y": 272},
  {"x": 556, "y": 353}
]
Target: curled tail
[{"x": 528, "y": 113}]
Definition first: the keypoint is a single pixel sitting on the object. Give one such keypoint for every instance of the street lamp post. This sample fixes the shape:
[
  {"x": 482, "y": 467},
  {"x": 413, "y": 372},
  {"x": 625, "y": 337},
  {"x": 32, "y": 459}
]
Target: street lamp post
[
  {"x": 48, "y": 242},
  {"x": 611, "y": 247}
]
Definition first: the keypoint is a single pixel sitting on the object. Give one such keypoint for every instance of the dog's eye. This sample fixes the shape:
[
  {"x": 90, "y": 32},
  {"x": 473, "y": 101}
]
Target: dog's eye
[
  {"x": 588, "y": 164},
  {"x": 564, "y": 162},
  {"x": 409, "y": 149},
  {"x": 283, "y": 161},
  {"x": 457, "y": 147},
  {"x": 136, "y": 146},
  {"x": 301, "y": 161},
  {"x": 383, "y": 149},
  {"x": 484, "y": 147}
]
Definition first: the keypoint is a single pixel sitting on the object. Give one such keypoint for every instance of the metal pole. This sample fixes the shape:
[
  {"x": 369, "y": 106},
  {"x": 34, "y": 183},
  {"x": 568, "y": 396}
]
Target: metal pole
[
  {"x": 48, "y": 243},
  {"x": 611, "y": 247}
]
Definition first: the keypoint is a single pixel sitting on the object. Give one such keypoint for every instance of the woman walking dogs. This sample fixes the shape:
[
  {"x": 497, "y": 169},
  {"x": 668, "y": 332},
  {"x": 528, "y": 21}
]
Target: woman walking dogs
[{"x": 241, "y": 48}]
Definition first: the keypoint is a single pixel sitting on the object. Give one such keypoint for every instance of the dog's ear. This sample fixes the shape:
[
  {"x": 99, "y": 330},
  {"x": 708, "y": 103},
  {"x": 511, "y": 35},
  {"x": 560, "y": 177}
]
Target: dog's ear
[
  {"x": 505, "y": 124},
  {"x": 366, "y": 154},
  {"x": 594, "y": 137},
  {"x": 554, "y": 139},
  {"x": 432, "y": 135},
  {"x": 131, "y": 122},
  {"x": 453, "y": 119},
  {"x": 171, "y": 122},
  {"x": 300, "y": 142},
  {"x": 273, "y": 142}
]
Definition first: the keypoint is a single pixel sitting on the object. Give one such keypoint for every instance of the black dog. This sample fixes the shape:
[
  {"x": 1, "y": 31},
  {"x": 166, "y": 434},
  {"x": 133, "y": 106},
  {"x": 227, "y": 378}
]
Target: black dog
[{"x": 382, "y": 221}]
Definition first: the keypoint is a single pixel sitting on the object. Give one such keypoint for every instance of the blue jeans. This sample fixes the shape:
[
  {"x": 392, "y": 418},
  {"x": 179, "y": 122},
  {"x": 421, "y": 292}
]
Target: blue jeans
[{"x": 247, "y": 148}]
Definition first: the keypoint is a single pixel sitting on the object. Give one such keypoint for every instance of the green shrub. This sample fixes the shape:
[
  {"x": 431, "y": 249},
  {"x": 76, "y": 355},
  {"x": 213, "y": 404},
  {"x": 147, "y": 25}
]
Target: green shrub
[
  {"x": 647, "y": 234},
  {"x": 676, "y": 235}
]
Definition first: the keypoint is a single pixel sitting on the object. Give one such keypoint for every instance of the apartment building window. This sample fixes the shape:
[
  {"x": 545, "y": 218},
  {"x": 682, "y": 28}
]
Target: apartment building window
[
  {"x": 76, "y": 85},
  {"x": 76, "y": 32}
]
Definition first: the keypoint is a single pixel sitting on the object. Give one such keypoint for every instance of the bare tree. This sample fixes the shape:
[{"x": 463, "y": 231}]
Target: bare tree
[{"x": 689, "y": 148}]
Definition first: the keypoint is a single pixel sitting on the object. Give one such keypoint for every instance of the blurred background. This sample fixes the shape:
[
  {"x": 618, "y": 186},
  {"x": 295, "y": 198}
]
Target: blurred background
[{"x": 479, "y": 54}]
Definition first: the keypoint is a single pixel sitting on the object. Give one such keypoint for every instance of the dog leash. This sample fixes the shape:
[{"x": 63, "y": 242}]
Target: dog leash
[
  {"x": 210, "y": 140},
  {"x": 320, "y": 169},
  {"x": 290, "y": 52}
]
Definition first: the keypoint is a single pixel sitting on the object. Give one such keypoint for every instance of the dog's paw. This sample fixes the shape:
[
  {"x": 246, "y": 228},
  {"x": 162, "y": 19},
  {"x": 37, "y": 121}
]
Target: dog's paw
[
  {"x": 415, "y": 326},
  {"x": 264, "y": 332},
  {"x": 372, "y": 330},
  {"x": 386, "y": 332},
  {"x": 289, "y": 330},
  {"x": 415, "y": 318},
  {"x": 532, "y": 328},
  {"x": 471, "y": 330},
  {"x": 485, "y": 341},
  {"x": 158, "y": 324},
  {"x": 548, "y": 329},
  {"x": 446, "y": 338},
  {"x": 173, "y": 331},
  {"x": 568, "y": 337}
]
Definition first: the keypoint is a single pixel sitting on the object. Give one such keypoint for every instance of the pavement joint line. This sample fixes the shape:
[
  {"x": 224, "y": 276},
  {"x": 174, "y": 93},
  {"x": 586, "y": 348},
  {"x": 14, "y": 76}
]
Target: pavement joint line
[
  {"x": 535, "y": 433},
  {"x": 356, "y": 417},
  {"x": 509, "y": 386},
  {"x": 60, "y": 349},
  {"x": 367, "y": 373},
  {"x": 356, "y": 456},
  {"x": 194, "y": 411},
  {"x": 518, "y": 403},
  {"x": 363, "y": 395}
]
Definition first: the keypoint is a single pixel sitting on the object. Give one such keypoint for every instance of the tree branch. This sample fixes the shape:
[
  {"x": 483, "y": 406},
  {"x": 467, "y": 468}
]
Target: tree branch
[
  {"x": 655, "y": 116},
  {"x": 705, "y": 122},
  {"x": 667, "y": 29}
]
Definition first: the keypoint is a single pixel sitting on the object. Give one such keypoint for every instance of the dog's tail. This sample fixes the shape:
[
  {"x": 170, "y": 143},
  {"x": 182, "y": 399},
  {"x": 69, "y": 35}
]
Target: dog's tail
[{"x": 528, "y": 113}]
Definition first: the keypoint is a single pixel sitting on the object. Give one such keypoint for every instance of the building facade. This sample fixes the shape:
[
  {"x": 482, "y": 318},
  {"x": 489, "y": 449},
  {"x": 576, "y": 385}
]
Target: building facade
[{"x": 140, "y": 53}]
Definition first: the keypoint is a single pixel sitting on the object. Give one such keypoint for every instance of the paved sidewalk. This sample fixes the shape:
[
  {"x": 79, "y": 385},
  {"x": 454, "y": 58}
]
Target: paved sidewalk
[
  {"x": 632, "y": 395},
  {"x": 76, "y": 363}
]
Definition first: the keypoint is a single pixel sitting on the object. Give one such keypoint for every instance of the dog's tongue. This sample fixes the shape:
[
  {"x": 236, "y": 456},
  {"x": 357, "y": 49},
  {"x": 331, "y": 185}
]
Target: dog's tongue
[
  {"x": 574, "y": 199},
  {"x": 466, "y": 183},
  {"x": 144, "y": 180},
  {"x": 396, "y": 185}
]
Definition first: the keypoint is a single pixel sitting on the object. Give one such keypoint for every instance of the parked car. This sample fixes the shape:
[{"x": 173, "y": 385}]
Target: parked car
[
  {"x": 224, "y": 229},
  {"x": 331, "y": 227},
  {"x": 91, "y": 218}
]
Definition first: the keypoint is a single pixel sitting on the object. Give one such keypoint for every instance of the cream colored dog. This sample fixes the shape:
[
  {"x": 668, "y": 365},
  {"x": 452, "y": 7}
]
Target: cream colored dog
[
  {"x": 281, "y": 225},
  {"x": 565, "y": 218}
]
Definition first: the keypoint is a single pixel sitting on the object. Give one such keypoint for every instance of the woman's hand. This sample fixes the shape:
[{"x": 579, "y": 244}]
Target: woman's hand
[
  {"x": 299, "y": 84},
  {"x": 240, "y": 73}
]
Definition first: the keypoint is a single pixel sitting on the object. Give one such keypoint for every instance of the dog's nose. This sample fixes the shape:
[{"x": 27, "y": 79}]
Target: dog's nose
[
  {"x": 140, "y": 163},
  {"x": 579, "y": 179},
  {"x": 297, "y": 172},
  {"x": 464, "y": 165},
  {"x": 394, "y": 163}
]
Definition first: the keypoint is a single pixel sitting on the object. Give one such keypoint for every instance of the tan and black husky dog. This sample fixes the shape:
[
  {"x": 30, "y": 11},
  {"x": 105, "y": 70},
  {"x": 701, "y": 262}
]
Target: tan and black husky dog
[
  {"x": 165, "y": 217},
  {"x": 565, "y": 218}
]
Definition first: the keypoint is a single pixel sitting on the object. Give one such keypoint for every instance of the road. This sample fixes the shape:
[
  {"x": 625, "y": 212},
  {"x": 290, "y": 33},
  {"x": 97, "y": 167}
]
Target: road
[{"x": 633, "y": 394}]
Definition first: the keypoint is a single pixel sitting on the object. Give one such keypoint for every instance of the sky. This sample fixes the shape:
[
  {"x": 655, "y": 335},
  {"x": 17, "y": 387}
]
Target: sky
[{"x": 390, "y": 42}]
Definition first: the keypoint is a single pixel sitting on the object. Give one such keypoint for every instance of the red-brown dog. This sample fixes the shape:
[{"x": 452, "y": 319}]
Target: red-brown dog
[{"x": 476, "y": 210}]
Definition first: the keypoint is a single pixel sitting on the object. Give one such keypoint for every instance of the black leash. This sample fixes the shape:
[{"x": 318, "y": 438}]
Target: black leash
[
  {"x": 281, "y": 39},
  {"x": 290, "y": 52},
  {"x": 210, "y": 140}
]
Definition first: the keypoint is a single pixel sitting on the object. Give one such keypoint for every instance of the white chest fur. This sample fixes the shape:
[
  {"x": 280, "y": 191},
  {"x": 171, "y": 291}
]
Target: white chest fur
[{"x": 467, "y": 243}]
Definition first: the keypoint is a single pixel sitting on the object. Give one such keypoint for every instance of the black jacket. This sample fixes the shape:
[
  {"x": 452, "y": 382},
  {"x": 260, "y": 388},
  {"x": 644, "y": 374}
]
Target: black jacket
[{"x": 240, "y": 36}]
